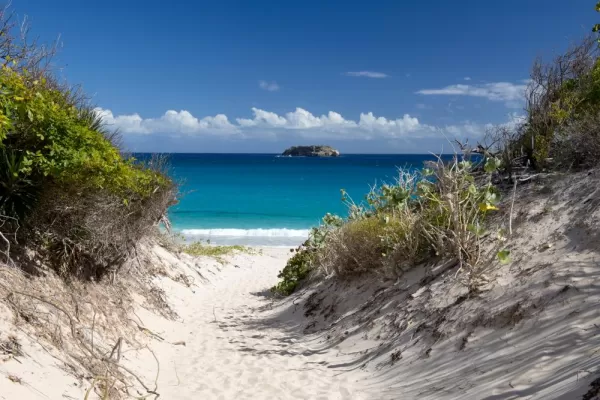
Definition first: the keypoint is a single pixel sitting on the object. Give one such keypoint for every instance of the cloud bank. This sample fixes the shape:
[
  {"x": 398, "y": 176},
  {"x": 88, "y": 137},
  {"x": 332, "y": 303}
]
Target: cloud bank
[{"x": 297, "y": 123}]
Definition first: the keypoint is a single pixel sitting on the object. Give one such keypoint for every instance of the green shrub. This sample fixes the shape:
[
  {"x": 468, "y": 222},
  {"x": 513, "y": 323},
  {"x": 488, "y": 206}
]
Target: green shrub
[
  {"x": 563, "y": 99},
  {"x": 297, "y": 269},
  {"x": 201, "y": 249},
  {"x": 65, "y": 188},
  {"x": 302, "y": 264},
  {"x": 358, "y": 246},
  {"x": 439, "y": 213}
]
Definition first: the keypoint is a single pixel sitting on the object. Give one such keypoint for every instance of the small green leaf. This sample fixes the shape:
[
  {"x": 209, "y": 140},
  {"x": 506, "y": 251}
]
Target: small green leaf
[
  {"x": 476, "y": 229},
  {"x": 504, "y": 256},
  {"x": 492, "y": 164},
  {"x": 465, "y": 164}
]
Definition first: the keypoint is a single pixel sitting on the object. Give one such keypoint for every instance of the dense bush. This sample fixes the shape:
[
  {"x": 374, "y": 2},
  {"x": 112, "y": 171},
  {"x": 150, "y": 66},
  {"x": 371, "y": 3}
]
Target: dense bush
[
  {"x": 438, "y": 213},
  {"x": 563, "y": 106},
  {"x": 65, "y": 189},
  {"x": 297, "y": 269},
  {"x": 302, "y": 264}
]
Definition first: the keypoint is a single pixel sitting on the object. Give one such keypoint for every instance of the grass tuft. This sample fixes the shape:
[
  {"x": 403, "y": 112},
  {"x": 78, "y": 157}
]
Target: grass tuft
[{"x": 198, "y": 249}]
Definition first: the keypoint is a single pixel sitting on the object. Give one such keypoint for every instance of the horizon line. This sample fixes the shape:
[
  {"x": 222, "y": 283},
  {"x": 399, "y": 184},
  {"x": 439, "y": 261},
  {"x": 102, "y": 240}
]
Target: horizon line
[{"x": 341, "y": 154}]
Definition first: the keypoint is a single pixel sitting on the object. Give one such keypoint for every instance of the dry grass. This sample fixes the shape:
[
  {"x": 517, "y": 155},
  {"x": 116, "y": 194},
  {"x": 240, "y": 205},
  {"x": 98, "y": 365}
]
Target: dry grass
[
  {"x": 86, "y": 325},
  {"x": 200, "y": 249},
  {"x": 442, "y": 216},
  {"x": 355, "y": 248},
  {"x": 87, "y": 235}
]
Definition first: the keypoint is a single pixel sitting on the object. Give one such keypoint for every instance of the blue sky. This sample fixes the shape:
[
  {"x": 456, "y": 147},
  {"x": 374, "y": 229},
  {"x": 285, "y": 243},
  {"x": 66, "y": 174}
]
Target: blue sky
[{"x": 257, "y": 76}]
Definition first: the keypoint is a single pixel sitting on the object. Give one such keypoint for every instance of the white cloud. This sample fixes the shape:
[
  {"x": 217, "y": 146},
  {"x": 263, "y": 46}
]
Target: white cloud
[
  {"x": 467, "y": 78},
  {"x": 297, "y": 123},
  {"x": 367, "y": 74},
  {"x": 176, "y": 122},
  {"x": 262, "y": 118},
  {"x": 511, "y": 93},
  {"x": 125, "y": 123},
  {"x": 368, "y": 124},
  {"x": 396, "y": 127},
  {"x": 268, "y": 86},
  {"x": 515, "y": 119}
]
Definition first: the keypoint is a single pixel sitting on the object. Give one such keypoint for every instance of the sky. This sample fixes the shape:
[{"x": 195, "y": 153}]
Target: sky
[{"x": 258, "y": 76}]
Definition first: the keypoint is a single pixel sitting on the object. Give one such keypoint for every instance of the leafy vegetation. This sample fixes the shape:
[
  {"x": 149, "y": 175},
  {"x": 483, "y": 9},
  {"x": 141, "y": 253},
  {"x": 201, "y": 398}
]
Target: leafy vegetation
[
  {"x": 297, "y": 269},
  {"x": 208, "y": 250},
  {"x": 560, "y": 129},
  {"x": 437, "y": 213},
  {"x": 65, "y": 189}
]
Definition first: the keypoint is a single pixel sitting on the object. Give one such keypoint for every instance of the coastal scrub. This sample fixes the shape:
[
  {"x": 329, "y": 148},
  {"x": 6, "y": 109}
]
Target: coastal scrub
[{"x": 66, "y": 191}]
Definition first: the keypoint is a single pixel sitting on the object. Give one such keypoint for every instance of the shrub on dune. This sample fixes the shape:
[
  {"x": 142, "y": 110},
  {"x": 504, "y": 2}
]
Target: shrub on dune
[
  {"x": 438, "y": 213},
  {"x": 66, "y": 190}
]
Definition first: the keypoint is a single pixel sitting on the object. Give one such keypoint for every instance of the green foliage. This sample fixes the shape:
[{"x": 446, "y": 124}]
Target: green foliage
[
  {"x": 504, "y": 256},
  {"x": 301, "y": 264},
  {"x": 438, "y": 213},
  {"x": 67, "y": 191},
  {"x": 18, "y": 192},
  {"x": 296, "y": 270},
  {"x": 562, "y": 93},
  {"x": 207, "y": 250},
  {"x": 44, "y": 138}
]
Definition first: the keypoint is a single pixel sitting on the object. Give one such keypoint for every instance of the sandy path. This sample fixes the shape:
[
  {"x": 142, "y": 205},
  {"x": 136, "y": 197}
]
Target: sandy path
[{"x": 237, "y": 345}]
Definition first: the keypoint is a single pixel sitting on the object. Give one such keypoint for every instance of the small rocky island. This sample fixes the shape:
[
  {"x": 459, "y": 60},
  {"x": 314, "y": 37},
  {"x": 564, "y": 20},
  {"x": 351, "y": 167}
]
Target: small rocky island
[{"x": 311, "y": 151}]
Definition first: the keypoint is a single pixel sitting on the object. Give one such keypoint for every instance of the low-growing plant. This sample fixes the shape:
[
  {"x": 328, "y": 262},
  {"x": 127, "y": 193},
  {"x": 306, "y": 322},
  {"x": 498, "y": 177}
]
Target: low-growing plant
[
  {"x": 208, "y": 250},
  {"x": 297, "y": 269},
  {"x": 356, "y": 247},
  {"x": 453, "y": 208},
  {"x": 302, "y": 264}
]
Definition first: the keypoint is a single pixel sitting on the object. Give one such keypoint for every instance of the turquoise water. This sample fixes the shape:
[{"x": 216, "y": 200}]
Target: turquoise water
[{"x": 263, "y": 199}]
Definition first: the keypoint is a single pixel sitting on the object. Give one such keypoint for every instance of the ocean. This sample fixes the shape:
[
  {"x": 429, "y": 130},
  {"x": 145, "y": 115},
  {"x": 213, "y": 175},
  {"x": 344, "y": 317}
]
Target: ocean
[{"x": 264, "y": 199}]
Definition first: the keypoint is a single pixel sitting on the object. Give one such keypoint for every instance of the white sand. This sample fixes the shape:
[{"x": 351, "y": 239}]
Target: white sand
[{"x": 237, "y": 346}]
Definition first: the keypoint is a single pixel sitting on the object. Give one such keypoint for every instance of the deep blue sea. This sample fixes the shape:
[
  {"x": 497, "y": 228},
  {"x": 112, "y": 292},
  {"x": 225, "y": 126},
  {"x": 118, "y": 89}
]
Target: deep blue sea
[{"x": 264, "y": 199}]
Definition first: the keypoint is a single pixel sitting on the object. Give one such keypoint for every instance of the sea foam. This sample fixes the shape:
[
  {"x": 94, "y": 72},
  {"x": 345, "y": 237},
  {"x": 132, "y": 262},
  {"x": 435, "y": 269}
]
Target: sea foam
[{"x": 252, "y": 237}]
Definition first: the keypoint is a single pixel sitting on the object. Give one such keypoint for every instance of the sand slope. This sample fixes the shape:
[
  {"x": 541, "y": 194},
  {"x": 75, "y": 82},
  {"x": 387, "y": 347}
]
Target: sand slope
[
  {"x": 532, "y": 332},
  {"x": 237, "y": 347}
]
